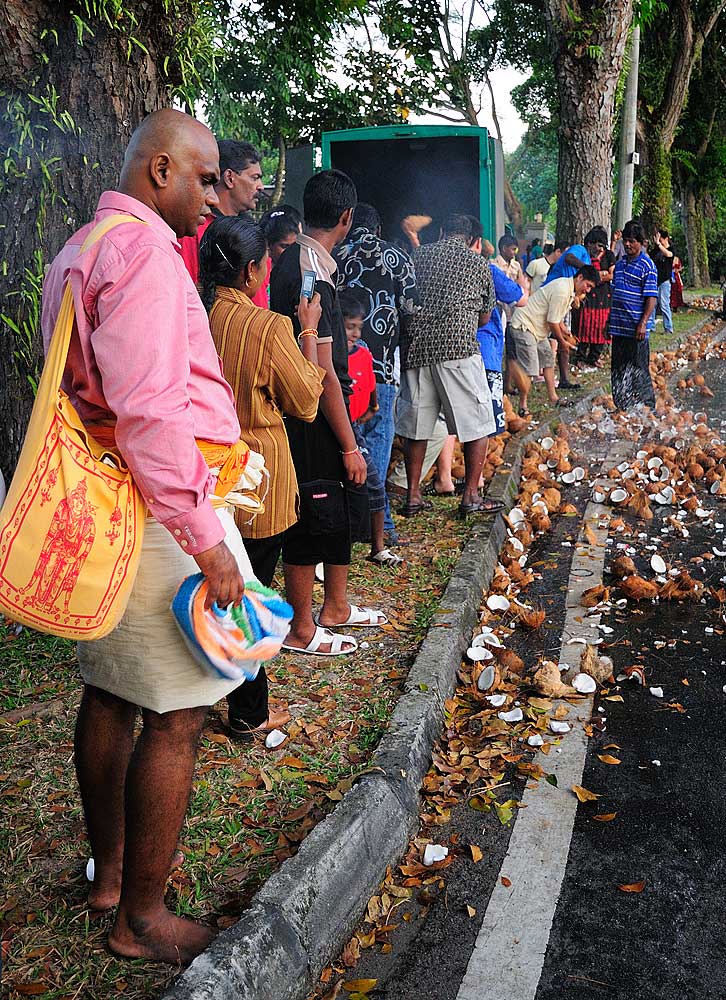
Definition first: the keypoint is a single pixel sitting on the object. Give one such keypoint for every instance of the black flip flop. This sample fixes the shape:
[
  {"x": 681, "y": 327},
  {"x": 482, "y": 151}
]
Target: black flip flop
[{"x": 411, "y": 509}]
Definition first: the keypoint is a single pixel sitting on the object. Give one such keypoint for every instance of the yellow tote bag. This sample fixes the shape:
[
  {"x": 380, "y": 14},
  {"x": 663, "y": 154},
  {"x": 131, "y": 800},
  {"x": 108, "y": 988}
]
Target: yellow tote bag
[{"x": 72, "y": 524}]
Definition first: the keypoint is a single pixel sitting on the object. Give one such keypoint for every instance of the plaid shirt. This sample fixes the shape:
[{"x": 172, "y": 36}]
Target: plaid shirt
[{"x": 455, "y": 285}]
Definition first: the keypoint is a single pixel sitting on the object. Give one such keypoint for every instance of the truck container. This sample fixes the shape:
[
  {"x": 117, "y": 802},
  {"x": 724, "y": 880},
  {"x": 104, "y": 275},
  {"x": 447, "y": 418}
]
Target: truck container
[{"x": 405, "y": 170}]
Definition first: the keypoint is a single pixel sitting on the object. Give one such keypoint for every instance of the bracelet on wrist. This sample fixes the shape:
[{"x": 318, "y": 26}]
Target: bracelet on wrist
[
  {"x": 307, "y": 333},
  {"x": 353, "y": 452}
]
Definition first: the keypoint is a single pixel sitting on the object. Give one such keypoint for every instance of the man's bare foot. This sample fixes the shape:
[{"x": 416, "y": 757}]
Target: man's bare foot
[
  {"x": 166, "y": 938},
  {"x": 300, "y": 641},
  {"x": 107, "y": 895}
]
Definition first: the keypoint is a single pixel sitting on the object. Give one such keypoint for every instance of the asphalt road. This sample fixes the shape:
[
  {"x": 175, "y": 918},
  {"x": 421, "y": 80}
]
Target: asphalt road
[{"x": 668, "y": 941}]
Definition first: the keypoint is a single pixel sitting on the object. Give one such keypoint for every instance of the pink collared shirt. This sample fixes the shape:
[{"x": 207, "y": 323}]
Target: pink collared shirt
[{"x": 142, "y": 353}]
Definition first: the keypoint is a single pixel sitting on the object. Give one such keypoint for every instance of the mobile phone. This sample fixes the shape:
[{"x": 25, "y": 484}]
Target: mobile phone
[{"x": 308, "y": 284}]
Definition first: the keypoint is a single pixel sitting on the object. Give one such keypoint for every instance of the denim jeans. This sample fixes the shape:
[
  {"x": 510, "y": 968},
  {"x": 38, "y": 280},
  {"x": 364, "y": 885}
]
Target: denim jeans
[
  {"x": 664, "y": 303},
  {"x": 378, "y": 434}
]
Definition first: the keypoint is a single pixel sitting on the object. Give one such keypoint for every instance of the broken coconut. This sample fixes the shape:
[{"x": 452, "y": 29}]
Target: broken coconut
[{"x": 548, "y": 683}]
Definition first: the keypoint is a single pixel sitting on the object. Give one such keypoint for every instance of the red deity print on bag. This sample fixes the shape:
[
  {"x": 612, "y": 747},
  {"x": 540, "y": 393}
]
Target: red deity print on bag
[{"x": 66, "y": 546}]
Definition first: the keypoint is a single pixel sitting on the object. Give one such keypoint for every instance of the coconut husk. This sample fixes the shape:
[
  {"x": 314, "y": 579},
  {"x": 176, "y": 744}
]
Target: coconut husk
[
  {"x": 509, "y": 660},
  {"x": 600, "y": 668},
  {"x": 531, "y": 619},
  {"x": 522, "y": 577},
  {"x": 639, "y": 505},
  {"x": 569, "y": 508},
  {"x": 595, "y": 595},
  {"x": 622, "y": 566},
  {"x": 637, "y": 589},
  {"x": 524, "y": 534},
  {"x": 548, "y": 682},
  {"x": 501, "y": 582},
  {"x": 552, "y": 498},
  {"x": 540, "y": 521},
  {"x": 681, "y": 588}
]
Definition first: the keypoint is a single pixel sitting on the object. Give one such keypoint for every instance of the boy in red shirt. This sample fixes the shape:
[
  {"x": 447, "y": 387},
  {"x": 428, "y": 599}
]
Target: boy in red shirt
[{"x": 362, "y": 404}]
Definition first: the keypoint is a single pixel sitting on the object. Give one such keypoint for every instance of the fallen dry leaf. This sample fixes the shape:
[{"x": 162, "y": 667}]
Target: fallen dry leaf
[
  {"x": 506, "y": 882},
  {"x": 604, "y": 817},
  {"x": 360, "y": 985},
  {"x": 584, "y": 794},
  {"x": 632, "y": 887},
  {"x": 608, "y": 758},
  {"x": 476, "y": 853},
  {"x": 471, "y": 910}
]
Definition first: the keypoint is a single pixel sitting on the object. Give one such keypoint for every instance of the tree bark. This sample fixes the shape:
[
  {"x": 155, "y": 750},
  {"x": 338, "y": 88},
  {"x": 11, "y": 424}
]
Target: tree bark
[
  {"x": 588, "y": 43},
  {"x": 698, "y": 267},
  {"x": 63, "y": 166},
  {"x": 279, "y": 189}
]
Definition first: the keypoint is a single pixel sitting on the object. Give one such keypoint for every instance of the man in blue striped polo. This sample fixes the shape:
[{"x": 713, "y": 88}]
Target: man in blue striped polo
[{"x": 632, "y": 317}]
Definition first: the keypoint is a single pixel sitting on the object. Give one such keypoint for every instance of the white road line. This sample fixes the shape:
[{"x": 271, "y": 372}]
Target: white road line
[{"x": 509, "y": 953}]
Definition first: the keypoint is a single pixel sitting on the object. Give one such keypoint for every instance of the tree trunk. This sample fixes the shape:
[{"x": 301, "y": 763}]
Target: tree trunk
[
  {"x": 690, "y": 35},
  {"x": 698, "y": 270},
  {"x": 588, "y": 48},
  {"x": 279, "y": 190},
  {"x": 657, "y": 185},
  {"x": 62, "y": 163}
]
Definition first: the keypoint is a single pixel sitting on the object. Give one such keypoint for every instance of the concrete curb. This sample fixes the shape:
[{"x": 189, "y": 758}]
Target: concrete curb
[{"x": 308, "y": 909}]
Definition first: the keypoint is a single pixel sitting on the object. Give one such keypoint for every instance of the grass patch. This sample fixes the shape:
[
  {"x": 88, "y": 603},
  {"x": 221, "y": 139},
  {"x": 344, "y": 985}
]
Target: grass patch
[{"x": 250, "y": 808}]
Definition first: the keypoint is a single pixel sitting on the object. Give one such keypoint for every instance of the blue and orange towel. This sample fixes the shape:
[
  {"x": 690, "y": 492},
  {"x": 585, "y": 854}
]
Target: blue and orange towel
[{"x": 231, "y": 643}]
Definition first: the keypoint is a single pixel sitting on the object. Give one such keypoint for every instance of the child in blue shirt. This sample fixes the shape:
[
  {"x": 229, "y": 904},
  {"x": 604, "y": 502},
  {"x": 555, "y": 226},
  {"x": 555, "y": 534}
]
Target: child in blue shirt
[{"x": 491, "y": 342}]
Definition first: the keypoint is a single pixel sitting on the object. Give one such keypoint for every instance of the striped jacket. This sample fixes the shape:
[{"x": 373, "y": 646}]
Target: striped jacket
[{"x": 269, "y": 376}]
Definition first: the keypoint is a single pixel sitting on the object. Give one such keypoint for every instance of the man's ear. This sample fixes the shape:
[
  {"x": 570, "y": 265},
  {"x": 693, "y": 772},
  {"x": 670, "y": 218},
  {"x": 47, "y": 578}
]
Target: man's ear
[
  {"x": 159, "y": 169},
  {"x": 346, "y": 218},
  {"x": 227, "y": 178}
]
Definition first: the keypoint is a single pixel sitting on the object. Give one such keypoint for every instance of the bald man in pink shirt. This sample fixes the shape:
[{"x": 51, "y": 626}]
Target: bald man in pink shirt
[{"x": 142, "y": 367}]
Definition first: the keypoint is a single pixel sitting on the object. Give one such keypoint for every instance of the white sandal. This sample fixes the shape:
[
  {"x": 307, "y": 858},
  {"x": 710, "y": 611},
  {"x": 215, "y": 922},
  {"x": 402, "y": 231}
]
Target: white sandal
[
  {"x": 323, "y": 636},
  {"x": 359, "y": 618},
  {"x": 386, "y": 558}
]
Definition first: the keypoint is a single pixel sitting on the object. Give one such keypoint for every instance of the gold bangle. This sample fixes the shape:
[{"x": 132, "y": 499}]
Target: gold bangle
[{"x": 307, "y": 333}]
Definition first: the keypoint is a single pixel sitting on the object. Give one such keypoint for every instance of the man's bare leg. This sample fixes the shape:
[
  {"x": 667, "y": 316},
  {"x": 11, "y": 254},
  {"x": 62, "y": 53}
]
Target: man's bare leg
[
  {"x": 549, "y": 377},
  {"x": 444, "y": 462},
  {"x": 474, "y": 455},
  {"x": 158, "y": 782},
  {"x": 563, "y": 363},
  {"x": 378, "y": 542},
  {"x": 336, "y": 606},
  {"x": 299, "y": 593},
  {"x": 414, "y": 453},
  {"x": 103, "y": 746},
  {"x": 523, "y": 383}
]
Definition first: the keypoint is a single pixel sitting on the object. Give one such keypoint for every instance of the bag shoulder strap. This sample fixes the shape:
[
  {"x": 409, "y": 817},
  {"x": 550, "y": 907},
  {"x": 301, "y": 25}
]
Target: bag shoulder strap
[
  {"x": 55, "y": 361},
  {"x": 105, "y": 225}
]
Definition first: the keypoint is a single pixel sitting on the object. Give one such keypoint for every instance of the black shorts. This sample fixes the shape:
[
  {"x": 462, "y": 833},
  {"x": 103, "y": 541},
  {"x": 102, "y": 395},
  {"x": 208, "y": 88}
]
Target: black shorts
[{"x": 322, "y": 533}]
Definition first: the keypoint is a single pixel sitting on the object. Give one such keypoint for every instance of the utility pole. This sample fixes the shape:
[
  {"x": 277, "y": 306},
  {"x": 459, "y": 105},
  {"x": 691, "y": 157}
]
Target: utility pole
[{"x": 628, "y": 156}]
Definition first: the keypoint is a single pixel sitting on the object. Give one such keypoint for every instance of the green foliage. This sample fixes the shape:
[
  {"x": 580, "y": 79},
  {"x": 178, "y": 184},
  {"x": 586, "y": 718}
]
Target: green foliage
[
  {"x": 532, "y": 170},
  {"x": 32, "y": 115}
]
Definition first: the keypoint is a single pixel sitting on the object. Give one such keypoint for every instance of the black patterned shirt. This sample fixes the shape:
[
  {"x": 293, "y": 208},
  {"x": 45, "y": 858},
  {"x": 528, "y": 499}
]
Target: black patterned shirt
[
  {"x": 384, "y": 278},
  {"x": 455, "y": 285}
]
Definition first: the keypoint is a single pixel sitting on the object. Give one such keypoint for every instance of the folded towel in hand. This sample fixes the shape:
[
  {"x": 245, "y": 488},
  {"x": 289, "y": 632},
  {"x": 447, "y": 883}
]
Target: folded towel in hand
[{"x": 230, "y": 643}]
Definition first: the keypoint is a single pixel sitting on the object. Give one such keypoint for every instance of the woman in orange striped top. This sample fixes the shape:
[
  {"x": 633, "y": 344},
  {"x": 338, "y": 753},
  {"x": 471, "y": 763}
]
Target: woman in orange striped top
[{"x": 270, "y": 375}]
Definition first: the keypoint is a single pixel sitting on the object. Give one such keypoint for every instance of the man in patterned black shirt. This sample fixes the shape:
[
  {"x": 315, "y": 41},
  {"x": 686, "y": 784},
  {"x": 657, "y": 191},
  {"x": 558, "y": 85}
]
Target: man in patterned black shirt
[
  {"x": 382, "y": 274},
  {"x": 442, "y": 365}
]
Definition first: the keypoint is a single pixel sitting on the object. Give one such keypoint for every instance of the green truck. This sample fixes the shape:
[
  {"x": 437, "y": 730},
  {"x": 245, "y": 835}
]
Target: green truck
[{"x": 411, "y": 170}]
